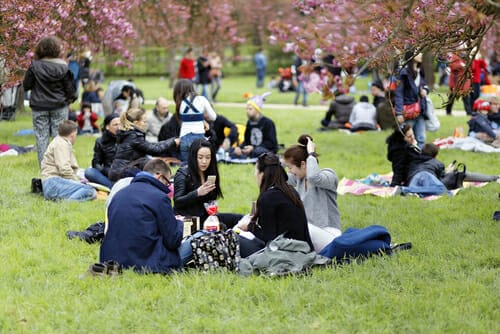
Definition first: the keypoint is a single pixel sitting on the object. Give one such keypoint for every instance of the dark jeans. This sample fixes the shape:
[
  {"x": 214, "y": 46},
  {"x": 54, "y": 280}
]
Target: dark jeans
[{"x": 248, "y": 247}]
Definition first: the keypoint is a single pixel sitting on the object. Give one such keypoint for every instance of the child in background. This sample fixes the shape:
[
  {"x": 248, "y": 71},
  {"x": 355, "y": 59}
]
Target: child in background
[{"x": 87, "y": 120}]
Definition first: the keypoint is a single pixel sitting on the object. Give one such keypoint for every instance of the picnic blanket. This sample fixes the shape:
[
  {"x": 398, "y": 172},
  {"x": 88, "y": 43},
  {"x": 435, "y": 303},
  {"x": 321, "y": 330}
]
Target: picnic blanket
[
  {"x": 465, "y": 144},
  {"x": 380, "y": 186}
]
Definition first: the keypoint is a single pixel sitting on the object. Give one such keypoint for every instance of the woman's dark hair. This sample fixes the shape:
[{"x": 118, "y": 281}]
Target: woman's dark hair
[
  {"x": 398, "y": 135},
  {"x": 212, "y": 168},
  {"x": 274, "y": 176},
  {"x": 48, "y": 47},
  {"x": 86, "y": 105},
  {"x": 108, "y": 120},
  {"x": 183, "y": 89},
  {"x": 298, "y": 152}
]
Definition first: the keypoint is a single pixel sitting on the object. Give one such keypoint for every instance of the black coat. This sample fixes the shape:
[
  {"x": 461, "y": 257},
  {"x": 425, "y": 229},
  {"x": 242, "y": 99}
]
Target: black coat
[
  {"x": 51, "y": 84},
  {"x": 132, "y": 145},
  {"x": 186, "y": 199},
  {"x": 104, "y": 152},
  {"x": 400, "y": 153}
]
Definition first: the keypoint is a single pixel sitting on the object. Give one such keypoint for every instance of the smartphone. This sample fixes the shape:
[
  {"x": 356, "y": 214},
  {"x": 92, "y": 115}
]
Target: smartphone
[{"x": 211, "y": 179}]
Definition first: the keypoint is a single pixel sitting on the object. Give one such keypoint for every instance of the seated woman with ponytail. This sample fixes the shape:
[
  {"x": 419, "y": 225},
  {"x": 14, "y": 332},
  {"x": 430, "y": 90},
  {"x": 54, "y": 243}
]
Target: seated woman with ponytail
[
  {"x": 317, "y": 189},
  {"x": 131, "y": 142},
  {"x": 279, "y": 209}
]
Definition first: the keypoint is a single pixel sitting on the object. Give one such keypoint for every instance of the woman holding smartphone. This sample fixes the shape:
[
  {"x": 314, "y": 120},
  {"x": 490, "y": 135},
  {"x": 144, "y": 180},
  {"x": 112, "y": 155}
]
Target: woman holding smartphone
[{"x": 198, "y": 183}]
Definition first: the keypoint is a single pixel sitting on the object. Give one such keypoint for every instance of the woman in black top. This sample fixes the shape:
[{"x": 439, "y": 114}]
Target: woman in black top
[
  {"x": 401, "y": 149},
  {"x": 104, "y": 152},
  {"x": 192, "y": 188},
  {"x": 279, "y": 209}
]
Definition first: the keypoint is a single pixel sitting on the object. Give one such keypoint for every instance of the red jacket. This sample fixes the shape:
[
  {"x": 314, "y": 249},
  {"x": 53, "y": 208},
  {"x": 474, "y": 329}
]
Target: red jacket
[
  {"x": 186, "y": 69},
  {"x": 93, "y": 120},
  {"x": 457, "y": 68},
  {"x": 478, "y": 66}
]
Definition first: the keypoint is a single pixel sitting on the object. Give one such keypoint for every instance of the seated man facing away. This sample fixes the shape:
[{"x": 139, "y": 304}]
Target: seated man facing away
[
  {"x": 59, "y": 168},
  {"x": 363, "y": 116},
  {"x": 143, "y": 232}
]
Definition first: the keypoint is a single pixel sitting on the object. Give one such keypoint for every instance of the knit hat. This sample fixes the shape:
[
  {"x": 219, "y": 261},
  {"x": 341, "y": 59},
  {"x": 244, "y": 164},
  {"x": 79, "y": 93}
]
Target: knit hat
[
  {"x": 109, "y": 118},
  {"x": 257, "y": 101}
]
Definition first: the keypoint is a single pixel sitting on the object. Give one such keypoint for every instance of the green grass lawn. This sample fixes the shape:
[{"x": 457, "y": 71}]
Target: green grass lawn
[{"x": 448, "y": 283}]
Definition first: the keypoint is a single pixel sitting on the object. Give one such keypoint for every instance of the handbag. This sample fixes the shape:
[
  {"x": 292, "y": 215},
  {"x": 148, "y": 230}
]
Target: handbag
[
  {"x": 432, "y": 123},
  {"x": 216, "y": 251},
  {"x": 455, "y": 178},
  {"x": 411, "y": 111}
]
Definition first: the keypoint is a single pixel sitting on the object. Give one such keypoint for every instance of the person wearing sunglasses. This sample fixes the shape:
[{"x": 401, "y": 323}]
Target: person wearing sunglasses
[{"x": 279, "y": 209}]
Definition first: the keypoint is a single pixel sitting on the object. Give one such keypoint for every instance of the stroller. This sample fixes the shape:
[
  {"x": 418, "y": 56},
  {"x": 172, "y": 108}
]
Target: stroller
[
  {"x": 286, "y": 80},
  {"x": 8, "y": 102}
]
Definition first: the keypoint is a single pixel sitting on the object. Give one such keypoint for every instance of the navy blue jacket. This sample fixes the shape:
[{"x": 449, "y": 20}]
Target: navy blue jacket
[
  {"x": 425, "y": 163},
  {"x": 480, "y": 123},
  {"x": 408, "y": 93},
  {"x": 143, "y": 232}
]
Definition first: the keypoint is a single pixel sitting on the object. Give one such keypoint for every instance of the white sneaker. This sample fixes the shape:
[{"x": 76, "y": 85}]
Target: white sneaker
[{"x": 397, "y": 191}]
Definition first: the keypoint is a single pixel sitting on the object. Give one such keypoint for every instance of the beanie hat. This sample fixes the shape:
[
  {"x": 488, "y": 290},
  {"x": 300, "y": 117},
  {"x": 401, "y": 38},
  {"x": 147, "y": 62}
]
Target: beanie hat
[
  {"x": 109, "y": 118},
  {"x": 481, "y": 105},
  {"x": 257, "y": 101}
]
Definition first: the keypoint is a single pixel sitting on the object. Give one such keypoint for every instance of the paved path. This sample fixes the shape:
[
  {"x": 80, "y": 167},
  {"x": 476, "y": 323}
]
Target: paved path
[{"x": 439, "y": 112}]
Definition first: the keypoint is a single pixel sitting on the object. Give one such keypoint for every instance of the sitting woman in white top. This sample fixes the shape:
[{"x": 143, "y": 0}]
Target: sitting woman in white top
[
  {"x": 317, "y": 189},
  {"x": 192, "y": 110}
]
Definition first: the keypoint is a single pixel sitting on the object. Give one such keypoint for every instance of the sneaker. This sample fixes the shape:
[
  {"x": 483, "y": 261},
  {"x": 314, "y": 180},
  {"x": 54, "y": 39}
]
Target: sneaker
[
  {"x": 113, "y": 268},
  {"x": 97, "y": 270},
  {"x": 397, "y": 191}
]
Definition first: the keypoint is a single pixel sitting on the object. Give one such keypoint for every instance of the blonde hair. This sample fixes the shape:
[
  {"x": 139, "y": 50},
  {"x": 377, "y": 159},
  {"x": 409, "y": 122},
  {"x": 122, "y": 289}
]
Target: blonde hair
[{"x": 128, "y": 118}]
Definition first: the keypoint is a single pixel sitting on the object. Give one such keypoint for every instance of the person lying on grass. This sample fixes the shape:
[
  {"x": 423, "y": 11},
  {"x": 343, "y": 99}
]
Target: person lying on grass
[{"x": 426, "y": 174}]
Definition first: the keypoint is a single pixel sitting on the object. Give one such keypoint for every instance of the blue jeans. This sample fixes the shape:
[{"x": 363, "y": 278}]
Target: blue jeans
[
  {"x": 261, "y": 73},
  {"x": 96, "y": 176},
  {"x": 204, "y": 91},
  {"x": 300, "y": 90},
  {"x": 186, "y": 142},
  {"x": 46, "y": 124},
  {"x": 56, "y": 188},
  {"x": 425, "y": 184},
  {"x": 185, "y": 250},
  {"x": 418, "y": 125}
]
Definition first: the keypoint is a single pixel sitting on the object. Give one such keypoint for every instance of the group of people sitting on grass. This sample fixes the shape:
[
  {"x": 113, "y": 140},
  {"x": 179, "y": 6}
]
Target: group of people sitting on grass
[
  {"x": 416, "y": 170},
  {"x": 144, "y": 233}
]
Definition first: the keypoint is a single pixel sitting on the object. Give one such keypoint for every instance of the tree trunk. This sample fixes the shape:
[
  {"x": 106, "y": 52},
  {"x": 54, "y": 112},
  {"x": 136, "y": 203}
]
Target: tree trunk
[
  {"x": 172, "y": 67},
  {"x": 428, "y": 66}
]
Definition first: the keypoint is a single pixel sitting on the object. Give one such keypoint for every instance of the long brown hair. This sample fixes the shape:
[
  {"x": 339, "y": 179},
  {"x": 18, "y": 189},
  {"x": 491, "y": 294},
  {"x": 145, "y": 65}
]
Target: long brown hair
[
  {"x": 183, "y": 89},
  {"x": 274, "y": 176}
]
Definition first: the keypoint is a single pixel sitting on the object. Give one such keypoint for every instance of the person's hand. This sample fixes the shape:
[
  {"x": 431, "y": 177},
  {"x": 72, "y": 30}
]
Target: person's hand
[
  {"x": 205, "y": 188},
  {"x": 423, "y": 92},
  {"x": 226, "y": 144},
  {"x": 244, "y": 222},
  {"x": 400, "y": 119},
  {"x": 311, "y": 146},
  {"x": 248, "y": 149},
  {"x": 237, "y": 151},
  {"x": 177, "y": 141}
]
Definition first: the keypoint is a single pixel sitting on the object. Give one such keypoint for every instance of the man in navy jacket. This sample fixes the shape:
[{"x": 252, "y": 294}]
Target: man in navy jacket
[{"x": 143, "y": 233}]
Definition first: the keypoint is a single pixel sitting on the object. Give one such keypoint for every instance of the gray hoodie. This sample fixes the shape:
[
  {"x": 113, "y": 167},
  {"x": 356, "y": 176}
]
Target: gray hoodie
[{"x": 320, "y": 199}]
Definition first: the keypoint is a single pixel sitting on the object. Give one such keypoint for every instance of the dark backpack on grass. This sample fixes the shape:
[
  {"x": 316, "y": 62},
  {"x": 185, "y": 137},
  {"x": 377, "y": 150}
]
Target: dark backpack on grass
[{"x": 36, "y": 186}]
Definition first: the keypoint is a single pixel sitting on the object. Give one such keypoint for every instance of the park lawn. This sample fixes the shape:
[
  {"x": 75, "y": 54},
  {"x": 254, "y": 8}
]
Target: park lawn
[{"x": 448, "y": 283}]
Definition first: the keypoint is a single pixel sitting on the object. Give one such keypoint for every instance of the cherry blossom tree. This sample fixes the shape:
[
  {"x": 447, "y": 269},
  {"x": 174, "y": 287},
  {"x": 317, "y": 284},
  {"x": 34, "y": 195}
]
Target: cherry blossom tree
[
  {"x": 376, "y": 33},
  {"x": 96, "y": 25}
]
